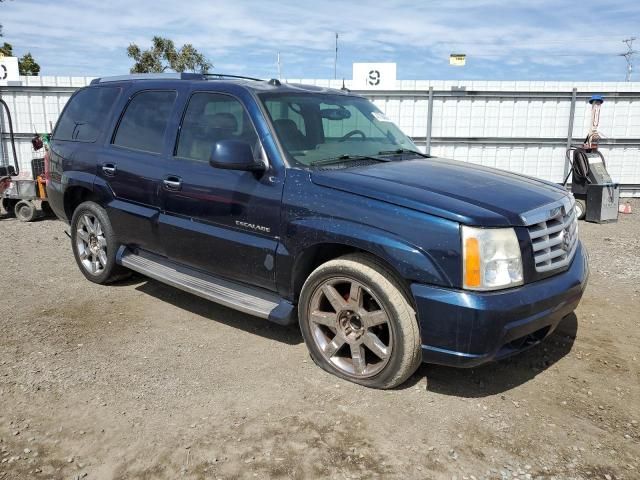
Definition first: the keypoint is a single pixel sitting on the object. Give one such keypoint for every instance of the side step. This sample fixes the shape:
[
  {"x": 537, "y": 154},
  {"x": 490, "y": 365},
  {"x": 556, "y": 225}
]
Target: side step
[{"x": 252, "y": 300}]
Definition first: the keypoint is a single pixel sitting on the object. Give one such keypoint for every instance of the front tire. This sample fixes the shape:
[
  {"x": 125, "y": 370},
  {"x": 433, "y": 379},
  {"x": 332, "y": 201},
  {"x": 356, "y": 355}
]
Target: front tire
[
  {"x": 94, "y": 244},
  {"x": 358, "y": 323}
]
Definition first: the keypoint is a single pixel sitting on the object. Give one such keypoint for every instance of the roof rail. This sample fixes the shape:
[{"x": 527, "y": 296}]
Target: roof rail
[
  {"x": 171, "y": 76},
  {"x": 150, "y": 76},
  {"x": 224, "y": 75}
]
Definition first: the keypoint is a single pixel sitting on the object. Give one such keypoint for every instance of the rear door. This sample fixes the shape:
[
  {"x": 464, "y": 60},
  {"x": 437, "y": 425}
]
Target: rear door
[
  {"x": 77, "y": 139},
  {"x": 225, "y": 222},
  {"x": 133, "y": 165}
]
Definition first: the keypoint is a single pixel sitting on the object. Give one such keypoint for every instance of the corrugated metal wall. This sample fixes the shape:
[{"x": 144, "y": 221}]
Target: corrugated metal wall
[
  {"x": 34, "y": 106},
  {"x": 518, "y": 126}
]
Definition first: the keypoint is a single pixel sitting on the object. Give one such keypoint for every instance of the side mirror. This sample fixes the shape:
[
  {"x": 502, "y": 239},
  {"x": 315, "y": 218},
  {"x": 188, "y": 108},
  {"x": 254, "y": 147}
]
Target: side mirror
[{"x": 234, "y": 155}]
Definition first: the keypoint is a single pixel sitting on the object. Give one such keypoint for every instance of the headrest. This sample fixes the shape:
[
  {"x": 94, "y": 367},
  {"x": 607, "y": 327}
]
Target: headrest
[
  {"x": 224, "y": 120},
  {"x": 285, "y": 125}
]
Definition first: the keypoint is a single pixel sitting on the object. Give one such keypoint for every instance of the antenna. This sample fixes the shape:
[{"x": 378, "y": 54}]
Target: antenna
[
  {"x": 279, "y": 72},
  {"x": 628, "y": 56},
  {"x": 335, "y": 60}
]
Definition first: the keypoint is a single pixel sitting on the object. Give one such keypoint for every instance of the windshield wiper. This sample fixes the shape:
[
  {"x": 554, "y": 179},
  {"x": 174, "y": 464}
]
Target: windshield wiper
[
  {"x": 404, "y": 150},
  {"x": 344, "y": 158}
]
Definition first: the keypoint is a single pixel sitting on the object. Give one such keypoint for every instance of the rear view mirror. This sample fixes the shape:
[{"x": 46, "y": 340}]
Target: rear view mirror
[
  {"x": 235, "y": 155},
  {"x": 335, "y": 113}
]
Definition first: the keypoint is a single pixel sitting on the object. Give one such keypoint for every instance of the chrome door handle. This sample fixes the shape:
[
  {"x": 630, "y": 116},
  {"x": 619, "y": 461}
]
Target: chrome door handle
[
  {"x": 109, "y": 169},
  {"x": 172, "y": 183}
]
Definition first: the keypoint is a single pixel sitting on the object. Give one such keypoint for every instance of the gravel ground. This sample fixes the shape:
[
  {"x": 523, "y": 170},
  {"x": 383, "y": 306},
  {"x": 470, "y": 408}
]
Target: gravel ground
[{"x": 141, "y": 381}]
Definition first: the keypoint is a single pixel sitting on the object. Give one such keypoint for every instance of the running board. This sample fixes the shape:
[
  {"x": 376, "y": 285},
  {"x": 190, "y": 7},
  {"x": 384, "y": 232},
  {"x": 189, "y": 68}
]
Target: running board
[{"x": 252, "y": 300}]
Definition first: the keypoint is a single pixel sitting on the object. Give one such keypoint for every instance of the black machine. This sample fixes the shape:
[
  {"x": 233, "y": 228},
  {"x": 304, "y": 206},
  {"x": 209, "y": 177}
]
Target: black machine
[
  {"x": 9, "y": 170},
  {"x": 597, "y": 196}
]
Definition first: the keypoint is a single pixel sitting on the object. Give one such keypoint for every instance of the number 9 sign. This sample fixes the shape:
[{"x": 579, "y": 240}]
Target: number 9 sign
[{"x": 9, "y": 70}]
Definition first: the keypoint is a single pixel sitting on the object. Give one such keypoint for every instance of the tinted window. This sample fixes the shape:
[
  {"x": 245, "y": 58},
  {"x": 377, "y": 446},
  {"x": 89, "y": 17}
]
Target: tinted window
[
  {"x": 354, "y": 119},
  {"x": 86, "y": 114},
  {"x": 287, "y": 111},
  {"x": 145, "y": 120},
  {"x": 317, "y": 127},
  {"x": 211, "y": 117}
]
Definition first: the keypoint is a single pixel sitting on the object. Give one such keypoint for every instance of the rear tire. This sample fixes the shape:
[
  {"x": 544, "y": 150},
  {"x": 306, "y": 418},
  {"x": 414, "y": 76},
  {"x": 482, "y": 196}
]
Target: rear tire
[
  {"x": 94, "y": 244},
  {"x": 25, "y": 210},
  {"x": 358, "y": 323}
]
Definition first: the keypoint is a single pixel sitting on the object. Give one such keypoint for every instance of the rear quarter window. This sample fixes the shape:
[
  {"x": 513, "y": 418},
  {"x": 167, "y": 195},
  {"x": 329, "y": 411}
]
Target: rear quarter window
[{"x": 86, "y": 114}]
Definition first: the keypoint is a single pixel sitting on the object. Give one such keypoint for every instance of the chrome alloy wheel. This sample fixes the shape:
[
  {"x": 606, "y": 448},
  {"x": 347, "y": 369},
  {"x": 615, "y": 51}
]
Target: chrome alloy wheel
[
  {"x": 350, "y": 327},
  {"x": 91, "y": 244}
]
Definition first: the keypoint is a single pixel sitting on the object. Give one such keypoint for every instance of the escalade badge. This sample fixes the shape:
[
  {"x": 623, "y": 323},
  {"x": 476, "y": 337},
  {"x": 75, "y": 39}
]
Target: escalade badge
[{"x": 253, "y": 226}]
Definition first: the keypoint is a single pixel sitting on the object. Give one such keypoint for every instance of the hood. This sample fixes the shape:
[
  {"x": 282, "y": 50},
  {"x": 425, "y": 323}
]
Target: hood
[{"x": 459, "y": 191}]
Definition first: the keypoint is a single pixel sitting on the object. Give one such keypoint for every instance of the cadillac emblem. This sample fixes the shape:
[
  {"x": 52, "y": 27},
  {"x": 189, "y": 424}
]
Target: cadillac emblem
[{"x": 566, "y": 240}]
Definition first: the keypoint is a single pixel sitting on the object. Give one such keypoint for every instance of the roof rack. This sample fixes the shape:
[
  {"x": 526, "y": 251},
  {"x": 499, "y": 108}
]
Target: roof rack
[
  {"x": 150, "y": 76},
  {"x": 171, "y": 76},
  {"x": 224, "y": 75}
]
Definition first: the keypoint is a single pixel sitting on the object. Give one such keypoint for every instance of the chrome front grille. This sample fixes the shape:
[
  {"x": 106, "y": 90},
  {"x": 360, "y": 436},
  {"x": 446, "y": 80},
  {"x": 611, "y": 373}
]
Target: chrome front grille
[{"x": 555, "y": 239}]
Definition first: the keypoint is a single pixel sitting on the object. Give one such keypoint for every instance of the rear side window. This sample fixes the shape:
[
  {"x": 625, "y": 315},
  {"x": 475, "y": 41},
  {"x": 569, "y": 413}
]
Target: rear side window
[
  {"x": 145, "y": 120},
  {"x": 84, "y": 117}
]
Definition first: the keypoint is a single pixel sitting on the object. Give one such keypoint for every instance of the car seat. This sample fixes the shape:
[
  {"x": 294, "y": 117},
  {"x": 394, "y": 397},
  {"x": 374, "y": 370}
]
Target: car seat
[{"x": 290, "y": 135}]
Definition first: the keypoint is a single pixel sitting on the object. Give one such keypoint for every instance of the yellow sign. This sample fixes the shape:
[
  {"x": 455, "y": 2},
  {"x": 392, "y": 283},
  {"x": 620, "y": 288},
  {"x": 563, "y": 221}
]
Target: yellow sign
[{"x": 457, "y": 59}]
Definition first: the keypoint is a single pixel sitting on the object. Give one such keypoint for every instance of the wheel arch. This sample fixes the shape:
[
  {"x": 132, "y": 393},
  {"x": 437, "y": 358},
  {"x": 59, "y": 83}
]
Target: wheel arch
[
  {"x": 74, "y": 196},
  {"x": 82, "y": 187},
  {"x": 318, "y": 254},
  {"x": 311, "y": 258},
  {"x": 319, "y": 240}
]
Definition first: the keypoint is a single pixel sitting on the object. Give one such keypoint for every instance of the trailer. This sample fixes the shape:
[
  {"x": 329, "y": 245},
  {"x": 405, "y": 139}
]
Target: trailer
[
  {"x": 27, "y": 199},
  {"x": 24, "y": 198}
]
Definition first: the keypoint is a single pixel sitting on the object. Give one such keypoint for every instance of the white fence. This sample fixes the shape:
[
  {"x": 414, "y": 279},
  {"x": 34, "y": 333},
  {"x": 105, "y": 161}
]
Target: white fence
[
  {"x": 35, "y": 106},
  {"x": 520, "y": 126}
]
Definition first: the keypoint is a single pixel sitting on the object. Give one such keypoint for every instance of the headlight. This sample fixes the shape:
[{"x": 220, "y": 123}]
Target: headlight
[{"x": 491, "y": 258}]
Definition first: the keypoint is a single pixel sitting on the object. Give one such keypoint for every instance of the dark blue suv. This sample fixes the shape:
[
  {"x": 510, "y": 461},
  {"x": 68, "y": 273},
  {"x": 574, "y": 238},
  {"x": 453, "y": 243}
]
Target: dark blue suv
[{"x": 302, "y": 204}]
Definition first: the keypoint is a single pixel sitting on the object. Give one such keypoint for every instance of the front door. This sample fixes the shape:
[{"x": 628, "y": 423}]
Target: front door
[{"x": 224, "y": 222}]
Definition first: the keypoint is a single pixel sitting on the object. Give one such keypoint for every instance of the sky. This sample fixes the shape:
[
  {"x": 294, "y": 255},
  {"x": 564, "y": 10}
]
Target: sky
[{"x": 503, "y": 40}]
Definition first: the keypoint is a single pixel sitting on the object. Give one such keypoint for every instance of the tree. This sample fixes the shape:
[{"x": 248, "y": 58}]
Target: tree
[
  {"x": 6, "y": 50},
  {"x": 163, "y": 56},
  {"x": 27, "y": 65},
  {"x": 0, "y": 23}
]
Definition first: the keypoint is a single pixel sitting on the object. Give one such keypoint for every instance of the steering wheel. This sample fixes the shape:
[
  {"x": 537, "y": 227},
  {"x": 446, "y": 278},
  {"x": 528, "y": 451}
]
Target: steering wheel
[{"x": 351, "y": 134}]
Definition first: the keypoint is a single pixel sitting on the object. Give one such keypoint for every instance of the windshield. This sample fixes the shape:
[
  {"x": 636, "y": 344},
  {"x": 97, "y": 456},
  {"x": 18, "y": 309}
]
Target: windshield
[{"x": 314, "y": 128}]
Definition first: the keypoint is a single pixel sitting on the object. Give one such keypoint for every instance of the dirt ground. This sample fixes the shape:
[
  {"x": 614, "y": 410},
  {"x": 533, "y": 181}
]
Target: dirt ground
[{"x": 141, "y": 381}]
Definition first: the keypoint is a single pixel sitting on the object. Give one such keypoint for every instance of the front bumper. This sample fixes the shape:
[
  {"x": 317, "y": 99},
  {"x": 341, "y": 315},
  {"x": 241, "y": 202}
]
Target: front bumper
[{"x": 465, "y": 329}]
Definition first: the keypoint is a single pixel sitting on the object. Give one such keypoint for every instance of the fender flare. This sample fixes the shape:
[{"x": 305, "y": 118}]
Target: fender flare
[
  {"x": 410, "y": 262},
  {"x": 99, "y": 189}
]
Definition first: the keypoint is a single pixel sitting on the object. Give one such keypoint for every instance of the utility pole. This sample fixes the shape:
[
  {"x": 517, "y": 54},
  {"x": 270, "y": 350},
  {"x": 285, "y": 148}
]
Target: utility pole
[
  {"x": 628, "y": 56},
  {"x": 335, "y": 60}
]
